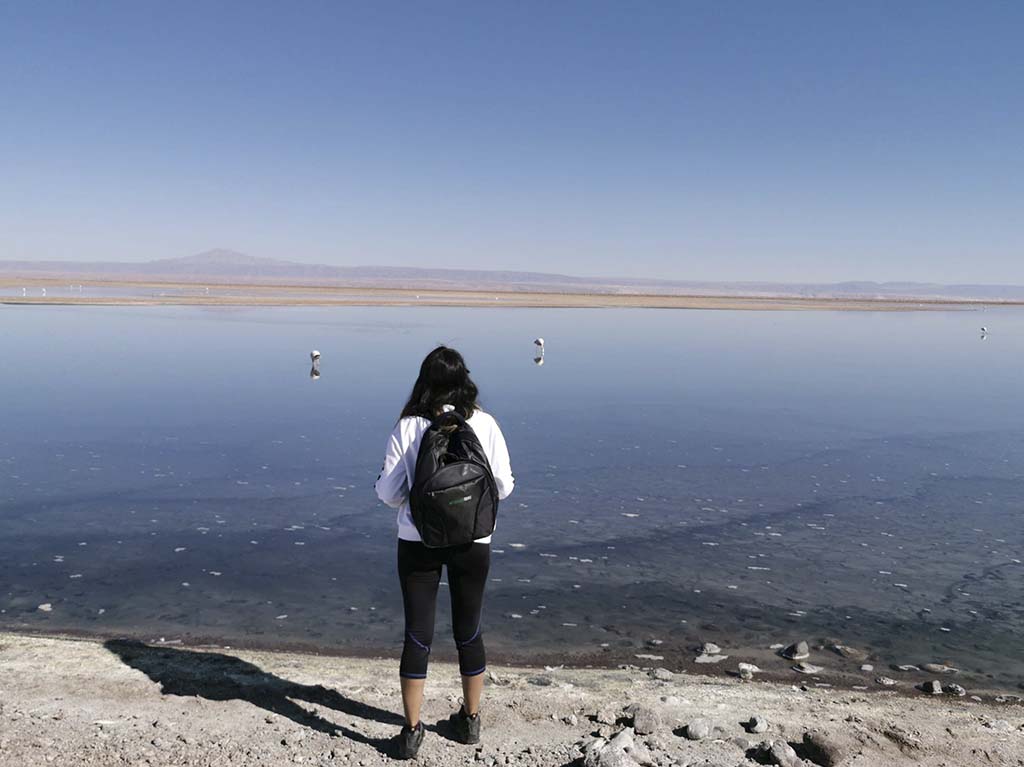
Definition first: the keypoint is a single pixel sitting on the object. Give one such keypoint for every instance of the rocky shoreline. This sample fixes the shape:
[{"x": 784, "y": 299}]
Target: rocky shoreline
[
  {"x": 87, "y": 703},
  {"x": 825, "y": 663}
]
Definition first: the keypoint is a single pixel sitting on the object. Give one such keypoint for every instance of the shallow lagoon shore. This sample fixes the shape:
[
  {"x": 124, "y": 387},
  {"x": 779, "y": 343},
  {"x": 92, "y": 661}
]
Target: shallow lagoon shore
[
  {"x": 88, "y": 703},
  {"x": 150, "y": 293}
]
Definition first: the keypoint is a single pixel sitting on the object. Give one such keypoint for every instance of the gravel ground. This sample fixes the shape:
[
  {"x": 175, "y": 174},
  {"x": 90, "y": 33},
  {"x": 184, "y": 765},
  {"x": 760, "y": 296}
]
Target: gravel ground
[{"x": 91, "y": 704}]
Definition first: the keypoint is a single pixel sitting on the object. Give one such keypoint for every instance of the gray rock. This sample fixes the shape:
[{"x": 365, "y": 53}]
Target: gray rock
[
  {"x": 499, "y": 680},
  {"x": 999, "y": 725},
  {"x": 710, "y": 658},
  {"x": 886, "y": 681},
  {"x": 607, "y": 715},
  {"x": 797, "y": 651},
  {"x": 939, "y": 668},
  {"x": 613, "y": 758},
  {"x": 954, "y": 689},
  {"x": 756, "y": 725},
  {"x": 646, "y": 720},
  {"x": 662, "y": 674},
  {"x": 823, "y": 750},
  {"x": 592, "y": 751},
  {"x": 698, "y": 729},
  {"x": 778, "y": 752},
  {"x": 807, "y": 668},
  {"x": 572, "y": 720},
  {"x": 848, "y": 652},
  {"x": 625, "y": 743},
  {"x": 658, "y": 743},
  {"x": 747, "y": 671},
  {"x": 867, "y": 667},
  {"x": 710, "y": 648},
  {"x": 1009, "y": 699},
  {"x": 623, "y": 740},
  {"x": 932, "y": 687}
]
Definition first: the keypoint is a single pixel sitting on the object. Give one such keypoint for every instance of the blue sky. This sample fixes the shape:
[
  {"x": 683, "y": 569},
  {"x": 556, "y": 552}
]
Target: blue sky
[{"x": 692, "y": 140}]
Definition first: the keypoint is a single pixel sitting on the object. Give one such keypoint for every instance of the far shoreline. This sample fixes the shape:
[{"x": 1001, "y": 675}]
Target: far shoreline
[{"x": 297, "y": 295}]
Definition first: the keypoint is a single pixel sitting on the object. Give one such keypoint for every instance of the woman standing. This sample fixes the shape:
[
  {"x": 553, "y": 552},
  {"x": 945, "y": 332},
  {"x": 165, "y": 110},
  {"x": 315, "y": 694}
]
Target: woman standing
[{"x": 443, "y": 385}]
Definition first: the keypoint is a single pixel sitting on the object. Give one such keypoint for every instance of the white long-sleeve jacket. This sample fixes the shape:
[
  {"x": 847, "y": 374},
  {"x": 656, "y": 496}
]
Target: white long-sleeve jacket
[{"x": 399, "y": 470}]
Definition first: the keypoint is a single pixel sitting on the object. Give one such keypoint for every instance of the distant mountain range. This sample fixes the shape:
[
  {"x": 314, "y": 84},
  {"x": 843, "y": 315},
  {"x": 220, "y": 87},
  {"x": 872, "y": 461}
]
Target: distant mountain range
[{"x": 227, "y": 266}]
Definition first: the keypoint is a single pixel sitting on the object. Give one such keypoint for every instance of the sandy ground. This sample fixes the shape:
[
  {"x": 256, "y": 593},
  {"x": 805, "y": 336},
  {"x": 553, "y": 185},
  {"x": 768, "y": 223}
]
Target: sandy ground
[
  {"x": 149, "y": 294},
  {"x": 88, "y": 703}
]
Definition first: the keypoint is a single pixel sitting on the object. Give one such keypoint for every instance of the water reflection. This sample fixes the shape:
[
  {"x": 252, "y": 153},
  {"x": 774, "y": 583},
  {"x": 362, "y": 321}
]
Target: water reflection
[{"x": 682, "y": 498}]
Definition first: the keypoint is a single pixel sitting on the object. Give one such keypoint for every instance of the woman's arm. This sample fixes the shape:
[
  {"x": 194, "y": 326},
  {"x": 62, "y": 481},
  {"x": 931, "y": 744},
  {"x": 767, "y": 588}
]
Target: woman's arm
[
  {"x": 501, "y": 465},
  {"x": 392, "y": 484}
]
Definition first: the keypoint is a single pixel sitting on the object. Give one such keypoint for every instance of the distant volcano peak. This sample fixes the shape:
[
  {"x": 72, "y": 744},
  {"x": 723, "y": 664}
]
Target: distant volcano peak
[{"x": 219, "y": 257}]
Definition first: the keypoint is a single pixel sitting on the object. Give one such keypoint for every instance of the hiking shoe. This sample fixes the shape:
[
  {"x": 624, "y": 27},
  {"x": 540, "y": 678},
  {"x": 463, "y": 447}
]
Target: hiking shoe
[
  {"x": 467, "y": 728},
  {"x": 409, "y": 741}
]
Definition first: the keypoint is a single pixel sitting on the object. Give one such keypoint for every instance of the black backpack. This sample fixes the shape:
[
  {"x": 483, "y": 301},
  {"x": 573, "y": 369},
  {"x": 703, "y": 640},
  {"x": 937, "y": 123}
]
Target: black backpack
[{"x": 454, "y": 499}]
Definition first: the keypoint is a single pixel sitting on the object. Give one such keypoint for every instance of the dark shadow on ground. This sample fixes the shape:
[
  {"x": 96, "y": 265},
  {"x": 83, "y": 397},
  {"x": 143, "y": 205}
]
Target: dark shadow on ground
[{"x": 220, "y": 677}]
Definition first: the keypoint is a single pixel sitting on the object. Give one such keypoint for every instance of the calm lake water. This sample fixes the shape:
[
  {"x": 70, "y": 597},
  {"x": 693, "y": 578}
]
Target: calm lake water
[{"x": 741, "y": 477}]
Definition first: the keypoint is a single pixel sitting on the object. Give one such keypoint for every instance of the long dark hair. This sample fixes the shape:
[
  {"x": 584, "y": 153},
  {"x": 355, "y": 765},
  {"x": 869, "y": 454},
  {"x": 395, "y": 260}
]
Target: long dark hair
[{"x": 443, "y": 380}]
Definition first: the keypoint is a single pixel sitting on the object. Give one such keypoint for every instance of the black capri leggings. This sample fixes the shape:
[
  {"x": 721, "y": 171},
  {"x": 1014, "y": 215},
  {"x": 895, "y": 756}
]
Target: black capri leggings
[{"x": 419, "y": 570}]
